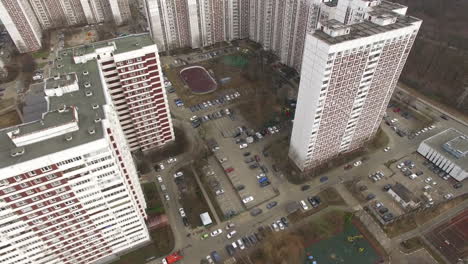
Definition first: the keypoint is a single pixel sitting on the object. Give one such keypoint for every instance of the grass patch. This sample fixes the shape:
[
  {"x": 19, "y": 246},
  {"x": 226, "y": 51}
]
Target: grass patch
[
  {"x": 162, "y": 244},
  {"x": 40, "y": 54},
  {"x": 192, "y": 198},
  {"x": 412, "y": 244},
  {"x": 9, "y": 119},
  {"x": 153, "y": 200},
  {"x": 328, "y": 197}
]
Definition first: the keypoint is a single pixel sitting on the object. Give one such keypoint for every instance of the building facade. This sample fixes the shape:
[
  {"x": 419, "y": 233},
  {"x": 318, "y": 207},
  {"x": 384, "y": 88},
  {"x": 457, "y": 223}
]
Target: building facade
[
  {"x": 22, "y": 25},
  {"x": 133, "y": 75},
  {"x": 69, "y": 190},
  {"x": 348, "y": 75}
]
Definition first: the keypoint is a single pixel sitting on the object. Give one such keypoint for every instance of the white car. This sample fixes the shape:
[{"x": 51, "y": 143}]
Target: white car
[
  {"x": 208, "y": 258},
  {"x": 161, "y": 166},
  {"x": 386, "y": 149},
  {"x": 304, "y": 205},
  {"x": 166, "y": 196},
  {"x": 261, "y": 175},
  {"x": 231, "y": 234},
  {"x": 182, "y": 212},
  {"x": 193, "y": 118},
  {"x": 357, "y": 163},
  {"x": 216, "y": 232},
  {"x": 259, "y": 136},
  {"x": 164, "y": 261},
  {"x": 280, "y": 224},
  {"x": 178, "y": 174},
  {"x": 275, "y": 227},
  {"x": 243, "y": 146},
  {"x": 171, "y": 160},
  {"x": 428, "y": 180},
  {"x": 247, "y": 199},
  {"x": 237, "y": 94},
  {"x": 229, "y": 226},
  {"x": 399, "y": 166},
  {"x": 241, "y": 245},
  {"x": 159, "y": 178},
  {"x": 448, "y": 196},
  {"x": 275, "y": 129},
  {"x": 219, "y": 192}
]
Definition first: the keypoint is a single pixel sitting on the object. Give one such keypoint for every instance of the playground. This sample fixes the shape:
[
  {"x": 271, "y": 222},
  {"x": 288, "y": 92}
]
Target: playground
[
  {"x": 348, "y": 246},
  {"x": 198, "y": 80}
]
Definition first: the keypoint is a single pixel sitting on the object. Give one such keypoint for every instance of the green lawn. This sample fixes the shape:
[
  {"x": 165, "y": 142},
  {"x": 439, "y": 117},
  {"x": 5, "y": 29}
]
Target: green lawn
[
  {"x": 153, "y": 200},
  {"x": 40, "y": 54}
]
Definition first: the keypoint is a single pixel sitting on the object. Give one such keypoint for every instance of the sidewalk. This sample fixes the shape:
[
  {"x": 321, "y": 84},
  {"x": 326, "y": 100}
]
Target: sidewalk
[{"x": 208, "y": 201}]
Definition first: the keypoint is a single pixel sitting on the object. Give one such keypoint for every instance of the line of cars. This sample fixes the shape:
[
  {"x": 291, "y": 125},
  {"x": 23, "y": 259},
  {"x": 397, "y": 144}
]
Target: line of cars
[
  {"x": 280, "y": 224},
  {"x": 383, "y": 211},
  {"x": 314, "y": 201},
  {"x": 441, "y": 173},
  {"x": 242, "y": 243},
  {"x": 219, "y": 101},
  {"x": 196, "y": 121}
]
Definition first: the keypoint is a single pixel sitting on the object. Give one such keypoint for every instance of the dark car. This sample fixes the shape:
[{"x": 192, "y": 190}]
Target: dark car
[
  {"x": 387, "y": 187},
  {"x": 248, "y": 160},
  {"x": 370, "y": 196},
  {"x": 419, "y": 173},
  {"x": 312, "y": 201},
  {"x": 362, "y": 188},
  {"x": 230, "y": 250},
  {"x": 246, "y": 154},
  {"x": 383, "y": 210},
  {"x": 305, "y": 187},
  {"x": 257, "y": 158},
  {"x": 240, "y": 187},
  {"x": 457, "y": 185},
  {"x": 253, "y": 166},
  {"x": 324, "y": 179},
  {"x": 256, "y": 211},
  {"x": 317, "y": 199},
  {"x": 216, "y": 257},
  {"x": 185, "y": 220},
  {"x": 264, "y": 169},
  {"x": 265, "y": 183},
  {"x": 348, "y": 166},
  {"x": 271, "y": 204},
  {"x": 285, "y": 221},
  {"x": 387, "y": 217}
]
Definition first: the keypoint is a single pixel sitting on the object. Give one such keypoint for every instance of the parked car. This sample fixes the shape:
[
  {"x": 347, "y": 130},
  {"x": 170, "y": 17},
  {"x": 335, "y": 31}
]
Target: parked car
[
  {"x": 357, "y": 163},
  {"x": 304, "y": 205},
  {"x": 305, "y": 187},
  {"x": 231, "y": 234},
  {"x": 370, "y": 196},
  {"x": 243, "y": 146},
  {"x": 216, "y": 232},
  {"x": 159, "y": 178},
  {"x": 255, "y": 211},
  {"x": 324, "y": 179},
  {"x": 285, "y": 221},
  {"x": 229, "y": 170},
  {"x": 271, "y": 204}
]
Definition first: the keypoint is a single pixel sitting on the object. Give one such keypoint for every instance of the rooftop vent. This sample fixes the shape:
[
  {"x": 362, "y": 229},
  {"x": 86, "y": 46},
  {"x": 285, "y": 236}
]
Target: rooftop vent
[
  {"x": 95, "y": 106},
  {"x": 68, "y": 137},
  {"x": 91, "y": 130},
  {"x": 88, "y": 93},
  {"x": 87, "y": 84},
  {"x": 17, "y": 152},
  {"x": 85, "y": 73},
  {"x": 59, "y": 58},
  {"x": 62, "y": 108},
  {"x": 56, "y": 76},
  {"x": 97, "y": 119},
  {"x": 65, "y": 54},
  {"x": 59, "y": 66}
]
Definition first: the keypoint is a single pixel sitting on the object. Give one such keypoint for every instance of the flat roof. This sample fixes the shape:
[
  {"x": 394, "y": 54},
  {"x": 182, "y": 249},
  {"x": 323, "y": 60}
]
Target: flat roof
[
  {"x": 403, "y": 192},
  {"x": 457, "y": 141},
  {"x": 122, "y": 44},
  {"x": 52, "y": 118},
  {"x": 368, "y": 28}
]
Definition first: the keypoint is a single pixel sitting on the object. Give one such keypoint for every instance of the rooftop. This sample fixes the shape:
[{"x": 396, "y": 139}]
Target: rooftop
[
  {"x": 122, "y": 44},
  {"x": 368, "y": 28},
  {"x": 60, "y": 110},
  {"x": 453, "y": 144},
  {"x": 405, "y": 194}
]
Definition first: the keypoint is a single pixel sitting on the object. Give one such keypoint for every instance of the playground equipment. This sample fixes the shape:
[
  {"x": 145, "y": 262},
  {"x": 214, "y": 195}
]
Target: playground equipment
[{"x": 352, "y": 238}]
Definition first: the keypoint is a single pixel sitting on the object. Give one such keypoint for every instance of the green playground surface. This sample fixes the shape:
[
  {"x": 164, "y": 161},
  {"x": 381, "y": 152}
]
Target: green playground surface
[
  {"x": 235, "y": 61},
  {"x": 348, "y": 246}
]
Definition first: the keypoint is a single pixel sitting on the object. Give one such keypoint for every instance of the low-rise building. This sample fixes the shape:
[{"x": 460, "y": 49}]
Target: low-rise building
[
  {"x": 403, "y": 196},
  {"x": 449, "y": 151}
]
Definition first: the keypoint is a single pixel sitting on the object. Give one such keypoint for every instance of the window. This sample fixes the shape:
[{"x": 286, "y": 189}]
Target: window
[
  {"x": 9, "y": 190},
  {"x": 46, "y": 169},
  {"x": 18, "y": 178},
  {"x": 51, "y": 176},
  {"x": 32, "y": 173}
]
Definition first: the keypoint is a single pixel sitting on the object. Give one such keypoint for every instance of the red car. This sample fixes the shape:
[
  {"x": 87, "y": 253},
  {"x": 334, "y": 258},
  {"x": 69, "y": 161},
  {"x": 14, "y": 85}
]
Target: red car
[
  {"x": 228, "y": 170},
  {"x": 257, "y": 158},
  {"x": 348, "y": 166}
]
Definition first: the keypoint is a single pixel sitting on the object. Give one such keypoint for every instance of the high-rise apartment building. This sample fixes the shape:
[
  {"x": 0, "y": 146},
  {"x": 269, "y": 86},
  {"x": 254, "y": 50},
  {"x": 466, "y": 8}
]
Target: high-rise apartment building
[
  {"x": 57, "y": 13},
  {"x": 348, "y": 75},
  {"x": 133, "y": 76},
  {"x": 69, "y": 190},
  {"x": 21, "y": 23}
]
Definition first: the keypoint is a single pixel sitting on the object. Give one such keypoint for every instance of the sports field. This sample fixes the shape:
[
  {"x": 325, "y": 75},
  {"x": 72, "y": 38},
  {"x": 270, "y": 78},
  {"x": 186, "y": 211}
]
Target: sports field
[
  {"x": 198, "y": 80},
  {"x": 348, "y": 246}
]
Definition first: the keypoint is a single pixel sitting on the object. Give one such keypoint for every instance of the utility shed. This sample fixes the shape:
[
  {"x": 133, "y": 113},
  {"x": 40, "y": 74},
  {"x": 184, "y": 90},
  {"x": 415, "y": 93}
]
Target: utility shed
[{"x": 206, "y": 219}]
